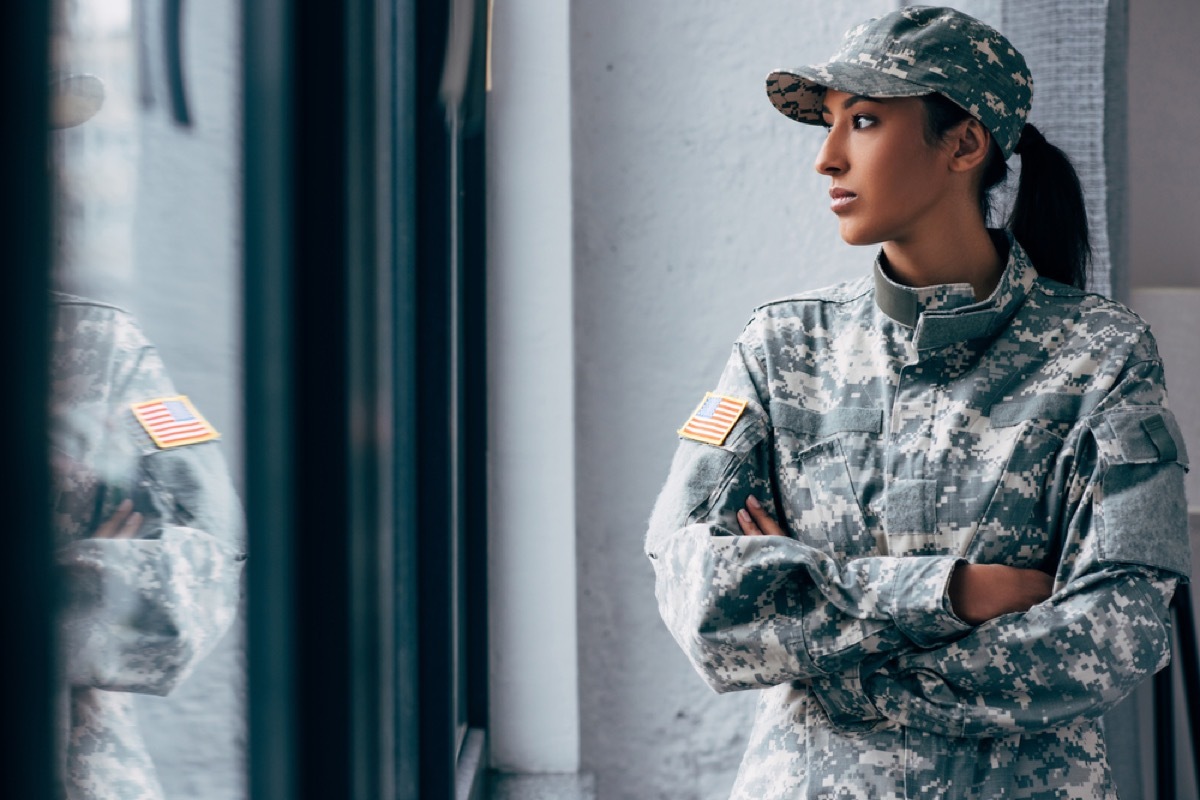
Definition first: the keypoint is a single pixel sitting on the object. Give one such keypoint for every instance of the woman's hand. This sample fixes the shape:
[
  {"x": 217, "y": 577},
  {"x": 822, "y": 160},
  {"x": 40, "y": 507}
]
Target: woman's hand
[
  {"x": 755, "y": 521},
  {"x": 123, "y": 524},
  {"x": 979, "y": 592}
]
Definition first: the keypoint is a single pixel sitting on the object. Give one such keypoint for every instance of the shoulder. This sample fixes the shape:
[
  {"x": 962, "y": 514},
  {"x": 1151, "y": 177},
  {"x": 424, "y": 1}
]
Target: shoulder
[
  {"x": 83, "y": 322},
  {"x": 1086, "y": 305},
  {"x": 1095, "y": 322},
  {"x": 838, "y": 294},
  {"x": 74, "y": 304},
  {"x": 806, "y": 320},
  {"x": 809, "y": 310}
]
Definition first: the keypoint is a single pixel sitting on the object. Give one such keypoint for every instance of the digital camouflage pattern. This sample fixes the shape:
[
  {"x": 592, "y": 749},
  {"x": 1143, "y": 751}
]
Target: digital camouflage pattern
[
  {"x": 914, "y": 51},
  {"x": 139, "y": 613},
  {"x": 895, "y": 432}
]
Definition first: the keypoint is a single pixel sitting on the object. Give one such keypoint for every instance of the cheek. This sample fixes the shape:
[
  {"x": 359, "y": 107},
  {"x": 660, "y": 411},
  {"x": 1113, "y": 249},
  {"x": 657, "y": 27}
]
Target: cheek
[
  {"x": 911, "y": 163},
  {"x": 913, "y": 179}
]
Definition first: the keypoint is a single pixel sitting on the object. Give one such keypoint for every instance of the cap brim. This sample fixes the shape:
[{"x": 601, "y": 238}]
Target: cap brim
[
  {"x": 74, "y": 99},
  {"x": 799, "y": 93}
]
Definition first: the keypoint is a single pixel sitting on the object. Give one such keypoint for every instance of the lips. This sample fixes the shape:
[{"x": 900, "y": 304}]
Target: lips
[{"x": 840, "y": 199}]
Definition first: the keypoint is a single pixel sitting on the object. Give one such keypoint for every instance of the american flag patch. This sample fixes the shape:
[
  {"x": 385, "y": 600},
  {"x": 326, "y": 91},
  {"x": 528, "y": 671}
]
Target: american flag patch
[
  {"x": 173, "y": 422},
  {"x": 712, "y": 421}
]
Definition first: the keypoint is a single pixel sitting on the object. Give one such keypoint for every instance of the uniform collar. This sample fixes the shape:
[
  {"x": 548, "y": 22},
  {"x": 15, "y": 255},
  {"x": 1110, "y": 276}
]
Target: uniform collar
[{"x": 948, "y": 313}]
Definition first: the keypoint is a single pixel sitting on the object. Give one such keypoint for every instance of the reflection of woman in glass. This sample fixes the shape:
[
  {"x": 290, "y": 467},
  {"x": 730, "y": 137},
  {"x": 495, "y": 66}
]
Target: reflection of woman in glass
[
  {"x": 936, "y": 513},
  {"x": 148, "y": 530}
]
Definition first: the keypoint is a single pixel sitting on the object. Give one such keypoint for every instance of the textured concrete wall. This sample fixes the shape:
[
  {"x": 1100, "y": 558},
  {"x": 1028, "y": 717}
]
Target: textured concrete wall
[{"x": 694, "y": 201}]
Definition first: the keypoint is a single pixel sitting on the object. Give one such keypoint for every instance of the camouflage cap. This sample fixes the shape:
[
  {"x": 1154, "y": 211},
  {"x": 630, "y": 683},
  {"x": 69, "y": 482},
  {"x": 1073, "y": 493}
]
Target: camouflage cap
[
  {"x": 74, "y": 98},
  {"x": 914, "y": 51}
]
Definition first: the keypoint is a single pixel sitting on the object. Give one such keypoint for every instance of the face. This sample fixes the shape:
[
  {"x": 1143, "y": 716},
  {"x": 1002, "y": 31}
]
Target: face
[{"x": 887, "y": 183}]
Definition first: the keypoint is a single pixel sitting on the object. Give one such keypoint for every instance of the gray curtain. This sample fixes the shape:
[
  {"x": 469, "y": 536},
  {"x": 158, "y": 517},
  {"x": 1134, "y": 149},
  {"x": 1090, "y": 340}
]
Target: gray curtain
[{"x": 1076, "y": 52}]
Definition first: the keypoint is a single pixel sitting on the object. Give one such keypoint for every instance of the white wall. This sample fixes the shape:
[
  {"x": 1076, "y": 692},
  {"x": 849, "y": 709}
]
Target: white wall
[
  {"x": 1164, "y": 161},
  {"x": 531, "y": 408},
  {"x": 694, "y": 201}
]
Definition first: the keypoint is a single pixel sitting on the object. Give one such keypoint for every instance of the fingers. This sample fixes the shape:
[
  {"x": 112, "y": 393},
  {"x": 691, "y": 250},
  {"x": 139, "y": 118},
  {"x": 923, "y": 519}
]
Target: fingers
[
  {"x": 762, "y": 519},
  {"x": 755, "y": 521},
  {"x": 123, "y": 524},
  {"x": 133, "y": 524},
  {"x": 113, "y": 523}
]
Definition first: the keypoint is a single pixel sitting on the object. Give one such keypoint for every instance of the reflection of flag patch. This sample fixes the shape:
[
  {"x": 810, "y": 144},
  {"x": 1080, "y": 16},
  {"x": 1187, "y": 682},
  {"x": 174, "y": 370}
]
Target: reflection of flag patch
[
  {"x": 715, "y": 417},
  {"x": 173, "y": 422}
]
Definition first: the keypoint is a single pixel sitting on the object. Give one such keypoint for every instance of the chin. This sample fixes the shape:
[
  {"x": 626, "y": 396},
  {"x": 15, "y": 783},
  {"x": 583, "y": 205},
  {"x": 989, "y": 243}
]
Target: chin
[{"x": 854, "y": 235}]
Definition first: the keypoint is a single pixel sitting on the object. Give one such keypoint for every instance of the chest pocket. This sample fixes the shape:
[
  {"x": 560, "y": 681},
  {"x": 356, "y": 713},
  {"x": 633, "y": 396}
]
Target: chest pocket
[
  {"x": 817, "y": 494},
  {"x": 1012, "y": 528}
]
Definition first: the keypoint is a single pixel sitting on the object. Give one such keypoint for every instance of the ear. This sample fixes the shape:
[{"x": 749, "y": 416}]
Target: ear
[{"x": 968, "y": 144}]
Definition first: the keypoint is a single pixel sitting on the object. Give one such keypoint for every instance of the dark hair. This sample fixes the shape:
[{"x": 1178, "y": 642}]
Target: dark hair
[{"x": 1048, "y": 217}]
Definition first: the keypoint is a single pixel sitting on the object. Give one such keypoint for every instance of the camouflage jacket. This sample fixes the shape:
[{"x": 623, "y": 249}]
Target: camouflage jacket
[
  {"x": 139, "y": 613},
  {"x": 895, "y": 432}
]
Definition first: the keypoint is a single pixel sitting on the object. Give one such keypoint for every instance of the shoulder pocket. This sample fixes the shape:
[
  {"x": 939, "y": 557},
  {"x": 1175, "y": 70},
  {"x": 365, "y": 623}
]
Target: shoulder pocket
[
  {"x": 749, "y": 431},
  {"x": 1142, "y": 513},
  {"x": 1146, "y": 435},
  {"x": 701, "y": 472}
]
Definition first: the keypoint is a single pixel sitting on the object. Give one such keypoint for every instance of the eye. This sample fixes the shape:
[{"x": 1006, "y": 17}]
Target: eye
[{"x": 861, "y": 121}]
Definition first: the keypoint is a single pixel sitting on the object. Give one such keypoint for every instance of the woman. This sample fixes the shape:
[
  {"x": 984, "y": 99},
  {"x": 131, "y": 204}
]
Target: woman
[
  {"x": 936, "y": 513},
  {"x": 149, "y": 534}
]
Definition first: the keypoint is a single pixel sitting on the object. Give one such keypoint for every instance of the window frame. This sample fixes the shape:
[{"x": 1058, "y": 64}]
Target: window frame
[
  {"x": 352, "y": 332},
  {"x": 29, "y": 589},
  {"x": 349, "y": 456}
]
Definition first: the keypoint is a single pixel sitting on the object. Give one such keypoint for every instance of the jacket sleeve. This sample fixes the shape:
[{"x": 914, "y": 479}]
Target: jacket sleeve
[
  {"x": 754, "y": 611},
  {"x": 140, "y": 613},
  {"x": 1124, "y": 547}
]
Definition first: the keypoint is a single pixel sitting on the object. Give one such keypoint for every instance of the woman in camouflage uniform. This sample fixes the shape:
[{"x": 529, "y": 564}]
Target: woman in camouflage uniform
[
  {"x": 935, "y": 513},
  {"x": 148, "y": 530}
]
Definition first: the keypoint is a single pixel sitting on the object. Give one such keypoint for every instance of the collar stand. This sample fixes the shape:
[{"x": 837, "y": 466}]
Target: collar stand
[{"x": 947, "y": 313}]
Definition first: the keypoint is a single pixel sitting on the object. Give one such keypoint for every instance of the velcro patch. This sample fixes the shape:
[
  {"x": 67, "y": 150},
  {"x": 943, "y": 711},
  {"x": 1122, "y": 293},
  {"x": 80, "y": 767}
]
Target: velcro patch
[
  {"x": 713, "y": 419},
  {"x": 1140, "y": 435},
  {"x": 173, "y": 422}
]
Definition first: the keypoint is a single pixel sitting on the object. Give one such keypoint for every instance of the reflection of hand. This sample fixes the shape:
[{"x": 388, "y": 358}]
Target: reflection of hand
[
  {"x": 755, "y": 521},
  {"x": 123, "y": 524},
  {"x": 979, "y": 592}
]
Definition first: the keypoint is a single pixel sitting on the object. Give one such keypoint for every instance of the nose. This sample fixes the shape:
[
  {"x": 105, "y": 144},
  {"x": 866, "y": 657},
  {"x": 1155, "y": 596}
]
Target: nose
[{"x": 831, "y": 158}]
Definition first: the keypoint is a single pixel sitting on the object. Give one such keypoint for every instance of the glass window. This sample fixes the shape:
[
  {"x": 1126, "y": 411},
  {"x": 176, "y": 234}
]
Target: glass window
[
  {"x": 146, "y": 427},
  {"x": 297, "y": 238}
]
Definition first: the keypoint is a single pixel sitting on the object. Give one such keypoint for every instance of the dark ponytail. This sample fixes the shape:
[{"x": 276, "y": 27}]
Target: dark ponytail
[{"x": 1048, "y": 216}]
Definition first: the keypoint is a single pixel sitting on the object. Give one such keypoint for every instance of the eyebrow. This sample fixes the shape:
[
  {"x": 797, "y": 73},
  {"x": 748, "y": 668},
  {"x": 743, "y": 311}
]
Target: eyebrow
[{"x": 850, "y": 101}]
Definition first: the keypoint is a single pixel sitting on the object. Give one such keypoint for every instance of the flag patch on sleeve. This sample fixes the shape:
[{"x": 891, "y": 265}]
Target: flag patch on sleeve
[
  {"x": 173, "y": 422},
  {"x": 713, "y": 419}
]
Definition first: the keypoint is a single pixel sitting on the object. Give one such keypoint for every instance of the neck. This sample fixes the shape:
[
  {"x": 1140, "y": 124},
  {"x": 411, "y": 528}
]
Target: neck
[{"x": 964, "y": 254}]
